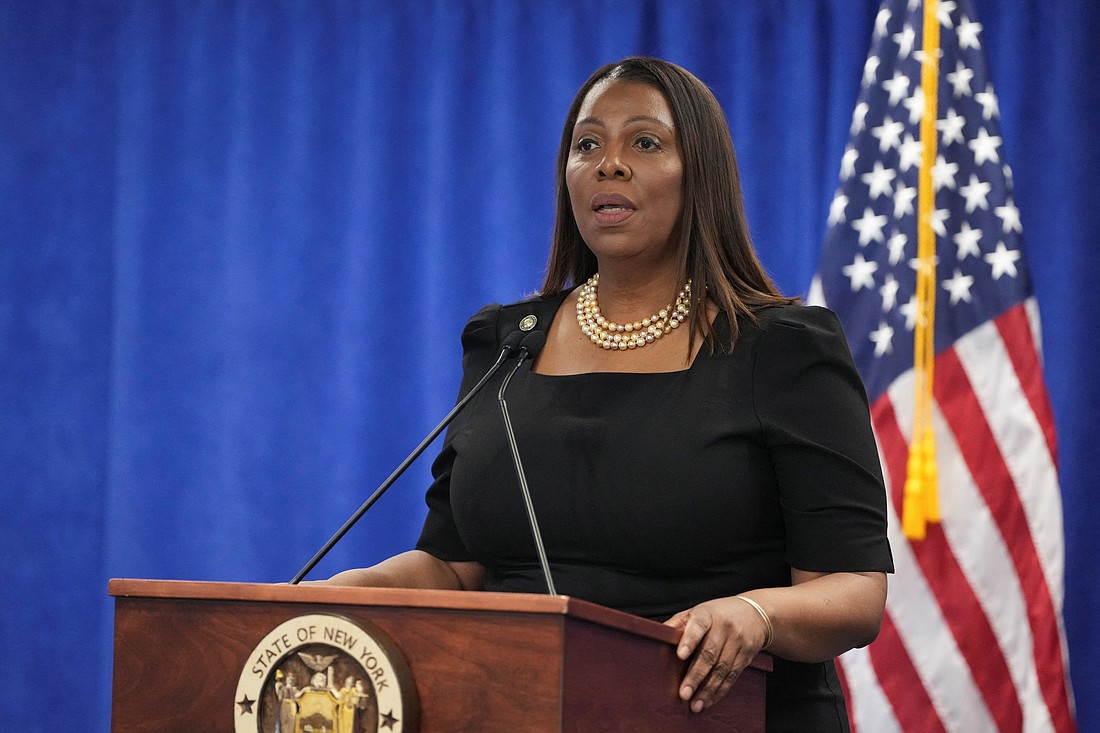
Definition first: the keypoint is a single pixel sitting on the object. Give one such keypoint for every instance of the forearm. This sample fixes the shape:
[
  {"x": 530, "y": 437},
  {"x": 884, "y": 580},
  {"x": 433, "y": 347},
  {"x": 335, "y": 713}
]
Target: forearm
[
  {"x": 414, "y": 569},
  {"x": 823, "y": 615}
]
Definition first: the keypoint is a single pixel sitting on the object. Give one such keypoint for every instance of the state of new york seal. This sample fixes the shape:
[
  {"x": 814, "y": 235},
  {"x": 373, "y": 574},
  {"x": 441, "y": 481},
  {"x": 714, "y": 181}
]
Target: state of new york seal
[{"x": 321, "y": 672}]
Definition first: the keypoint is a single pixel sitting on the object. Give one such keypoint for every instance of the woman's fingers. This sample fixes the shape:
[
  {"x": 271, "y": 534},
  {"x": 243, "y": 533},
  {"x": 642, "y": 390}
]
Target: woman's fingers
[
  {"x": 695, "y": 624},
  {"x": 714, "y": 633},
  {"x": 725, "y": 671}
]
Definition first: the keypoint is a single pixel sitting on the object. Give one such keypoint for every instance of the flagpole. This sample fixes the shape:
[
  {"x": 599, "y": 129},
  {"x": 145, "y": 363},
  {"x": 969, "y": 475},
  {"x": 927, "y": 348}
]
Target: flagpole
[{"x": 921, "y": 504}]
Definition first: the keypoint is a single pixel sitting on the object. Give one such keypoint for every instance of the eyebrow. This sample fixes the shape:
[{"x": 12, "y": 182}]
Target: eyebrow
[{"x": 629, "y": 120}]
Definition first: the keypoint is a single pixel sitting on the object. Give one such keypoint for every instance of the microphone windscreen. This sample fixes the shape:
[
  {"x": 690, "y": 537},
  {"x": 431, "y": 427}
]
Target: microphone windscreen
[
  {"x": 511, "y": 341},
  {"x": 533, "y": 343}
]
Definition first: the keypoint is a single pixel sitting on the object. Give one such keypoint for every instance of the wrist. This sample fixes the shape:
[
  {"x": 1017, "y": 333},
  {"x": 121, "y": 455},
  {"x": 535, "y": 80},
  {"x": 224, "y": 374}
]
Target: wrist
[{"x": 769, "y": 630}]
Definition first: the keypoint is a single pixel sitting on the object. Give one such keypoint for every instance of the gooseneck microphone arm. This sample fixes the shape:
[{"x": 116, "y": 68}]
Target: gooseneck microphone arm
[
  {"x": 508, "y": 348},
  {"x": 530, "y": 346}
]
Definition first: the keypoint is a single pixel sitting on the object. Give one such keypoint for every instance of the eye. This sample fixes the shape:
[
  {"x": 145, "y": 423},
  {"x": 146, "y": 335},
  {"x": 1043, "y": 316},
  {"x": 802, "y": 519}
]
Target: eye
[
  {"x": 647, "y": 143},
  {"x": 585, "y": 145}
]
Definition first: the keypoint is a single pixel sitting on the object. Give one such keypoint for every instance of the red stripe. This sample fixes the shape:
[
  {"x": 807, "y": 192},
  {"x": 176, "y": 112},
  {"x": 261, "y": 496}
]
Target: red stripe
[
  {"x": 963, "y": 613},
  {"x": 1016, "y": 333},
  {"x": 979, "y": 449},
  {"x": 898, "y": 677}
]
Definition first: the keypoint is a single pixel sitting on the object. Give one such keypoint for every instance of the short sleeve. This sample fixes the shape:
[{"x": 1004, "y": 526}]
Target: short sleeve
[
  {"x": 815, "y": 422},
  {"x": 439, "y": 536}
]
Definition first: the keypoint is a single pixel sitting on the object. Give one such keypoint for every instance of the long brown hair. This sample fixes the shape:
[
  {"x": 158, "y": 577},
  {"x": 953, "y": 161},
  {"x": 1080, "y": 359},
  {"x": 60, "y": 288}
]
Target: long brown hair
[{"x": 715, "y": 249}]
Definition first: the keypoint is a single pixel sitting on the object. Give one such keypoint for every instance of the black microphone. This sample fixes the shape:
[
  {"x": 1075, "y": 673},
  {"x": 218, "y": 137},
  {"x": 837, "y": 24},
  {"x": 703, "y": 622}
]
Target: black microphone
[
  {"x": 530, "y": 346},
  {"x": 512, "y": 344}
]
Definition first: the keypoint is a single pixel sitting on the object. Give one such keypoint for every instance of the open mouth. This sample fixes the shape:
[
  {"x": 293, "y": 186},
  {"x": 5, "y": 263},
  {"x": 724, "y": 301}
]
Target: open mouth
[{"x": 611, "y": 207}]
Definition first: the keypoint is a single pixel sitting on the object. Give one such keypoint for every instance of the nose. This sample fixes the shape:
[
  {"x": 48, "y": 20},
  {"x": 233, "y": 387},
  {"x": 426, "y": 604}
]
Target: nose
[{"x": 613, "y": 166}]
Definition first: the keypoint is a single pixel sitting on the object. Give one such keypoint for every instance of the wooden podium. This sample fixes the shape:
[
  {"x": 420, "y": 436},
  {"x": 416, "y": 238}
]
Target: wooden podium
[{"x": 479, "y": 662}]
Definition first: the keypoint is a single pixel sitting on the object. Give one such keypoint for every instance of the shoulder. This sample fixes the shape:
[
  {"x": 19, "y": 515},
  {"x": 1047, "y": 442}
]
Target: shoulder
[
  {"x": 793, "y": 337},
  {"x": 808, "y": 317},
  {"x": 802, "y": 327},
  {"x": 490, "y": 325}
]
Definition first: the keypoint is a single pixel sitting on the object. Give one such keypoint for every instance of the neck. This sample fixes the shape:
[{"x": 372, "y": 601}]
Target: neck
[{"x": 628, "y": 294}]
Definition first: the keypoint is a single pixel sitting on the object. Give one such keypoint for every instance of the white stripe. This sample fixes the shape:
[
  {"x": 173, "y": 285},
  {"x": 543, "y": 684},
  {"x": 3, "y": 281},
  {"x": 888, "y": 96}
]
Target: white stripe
[
  {"x": 868, "y": 705},
  {"x": 816, "y": 296},
  {"x": 1031, "y": 307},
  {"x": 919, "y": 619},
  {"x": 1022, "y": 443}
]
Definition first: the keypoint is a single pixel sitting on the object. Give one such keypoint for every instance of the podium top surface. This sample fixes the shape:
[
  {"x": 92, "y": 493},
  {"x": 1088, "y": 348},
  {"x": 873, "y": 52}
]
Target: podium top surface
[{"x": 392, "y": 597}]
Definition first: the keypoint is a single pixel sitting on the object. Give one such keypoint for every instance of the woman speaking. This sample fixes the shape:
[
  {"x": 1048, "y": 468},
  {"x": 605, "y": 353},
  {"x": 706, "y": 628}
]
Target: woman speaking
[{"x": 697, "y": 446}]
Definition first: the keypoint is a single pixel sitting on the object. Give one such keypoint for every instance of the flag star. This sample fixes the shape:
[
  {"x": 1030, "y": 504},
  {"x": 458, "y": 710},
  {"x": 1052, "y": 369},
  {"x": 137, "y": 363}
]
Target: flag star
[
  {"x": 1008, "y": 174},
  {"x": 1003, "y": 261},
  {"x": 918, "y": 265},
  {"x": 859, "y": 116},
  {"x": 879, "y": 180},
  {"x": 848, "y": 163},
  {"x": 883, "y": 337},
  {"x": 889, "y": 293},
  {"x": 869, "y": 227},
  {"x": 898, "y": 86},
  {"x": 988, "y": 100},
  {"x": 939, "y": 216},
  {"x": 888, "y": 134},
  {"x": 968, "y": 31},
  {"x": 943, "y": 11},
  {"x": 896, "y": 243},
  {"x": 960, "y": 80},
  {"x": 860, "y": 272},
  {"x": 915, "y": 105},
  {"x": 905, "y": 41},
  {"x": 1010, "y": 217},
  {"x": 870, "y": 70},
  {"x": 959, "y": 287},
  {"x": 951, "y": 127},
  {"x": 881, "y": 20},
  {"x": 909, "y": 310},
  {"x": 985, "y": 147},
  {"x": 920, "y": 56},
  {"x": 943, "y": 173},
  {"x": 966, "y": 241},
  {"x": 836, "y": 210},
  {"x": 903, "y": 200},
  {"x": 975, "y": 193},
  {"x": 910, "y": 151}
]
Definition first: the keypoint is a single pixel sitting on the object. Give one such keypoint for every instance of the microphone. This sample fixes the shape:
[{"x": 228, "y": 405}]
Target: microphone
[
  {"x": 511, "y": 345},
  {"x": 530, "y": 346}
]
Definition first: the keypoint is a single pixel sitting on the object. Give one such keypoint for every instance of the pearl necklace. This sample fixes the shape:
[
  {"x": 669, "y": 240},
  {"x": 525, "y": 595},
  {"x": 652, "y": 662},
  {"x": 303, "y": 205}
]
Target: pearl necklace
[{"x": 623, "y": 336}]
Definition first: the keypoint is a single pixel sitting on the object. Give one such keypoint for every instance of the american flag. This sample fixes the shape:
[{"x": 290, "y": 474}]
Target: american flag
[{"x": 972, "y": 638}]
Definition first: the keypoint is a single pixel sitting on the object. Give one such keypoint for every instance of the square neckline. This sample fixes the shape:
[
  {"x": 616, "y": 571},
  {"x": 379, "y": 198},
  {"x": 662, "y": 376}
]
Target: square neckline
[{"x": 715, "y": 323}]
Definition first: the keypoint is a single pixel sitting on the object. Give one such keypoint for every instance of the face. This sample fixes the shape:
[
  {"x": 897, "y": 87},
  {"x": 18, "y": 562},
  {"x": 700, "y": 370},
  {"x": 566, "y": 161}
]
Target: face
[{"x": 624, "y": 173}]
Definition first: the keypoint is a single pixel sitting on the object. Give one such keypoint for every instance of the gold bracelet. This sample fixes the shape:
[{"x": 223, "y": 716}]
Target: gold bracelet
[{"x": 769, "y": 629}]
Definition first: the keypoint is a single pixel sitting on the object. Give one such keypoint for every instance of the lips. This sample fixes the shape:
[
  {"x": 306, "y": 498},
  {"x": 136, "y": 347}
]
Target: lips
[{"x": 611, "y": 208}]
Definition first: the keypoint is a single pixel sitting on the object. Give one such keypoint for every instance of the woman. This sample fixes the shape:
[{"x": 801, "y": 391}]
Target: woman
[{"x": 697, "y": 446}]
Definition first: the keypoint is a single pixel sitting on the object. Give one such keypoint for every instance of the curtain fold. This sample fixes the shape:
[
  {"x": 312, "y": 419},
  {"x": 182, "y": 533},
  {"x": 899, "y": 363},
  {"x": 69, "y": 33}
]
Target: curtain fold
[{"x": 240, "y": 240}]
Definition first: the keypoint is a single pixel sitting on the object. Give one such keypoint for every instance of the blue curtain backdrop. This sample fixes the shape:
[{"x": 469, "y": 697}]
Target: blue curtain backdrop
[{"x": 239, "y": 239}]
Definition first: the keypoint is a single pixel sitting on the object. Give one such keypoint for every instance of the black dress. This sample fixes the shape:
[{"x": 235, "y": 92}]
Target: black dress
[{"x": 656, "y": 492}]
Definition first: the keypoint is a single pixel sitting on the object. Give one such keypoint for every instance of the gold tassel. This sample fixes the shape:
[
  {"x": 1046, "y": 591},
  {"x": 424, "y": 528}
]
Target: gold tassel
[
  {"x": 912, "y": 512},
  {"x": 930, "y": 477}
]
